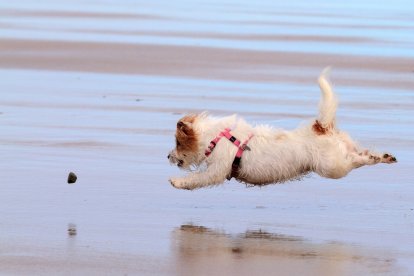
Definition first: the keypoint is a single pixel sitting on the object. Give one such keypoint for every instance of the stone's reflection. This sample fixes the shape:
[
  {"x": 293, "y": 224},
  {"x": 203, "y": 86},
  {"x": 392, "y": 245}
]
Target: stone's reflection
[{"x": 199, "y": 250}]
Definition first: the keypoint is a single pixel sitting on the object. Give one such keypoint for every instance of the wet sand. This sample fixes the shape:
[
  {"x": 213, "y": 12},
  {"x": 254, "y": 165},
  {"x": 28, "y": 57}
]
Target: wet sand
[
  {"x": 97, "y": 89},
  {"x": 195, "y": 62}
]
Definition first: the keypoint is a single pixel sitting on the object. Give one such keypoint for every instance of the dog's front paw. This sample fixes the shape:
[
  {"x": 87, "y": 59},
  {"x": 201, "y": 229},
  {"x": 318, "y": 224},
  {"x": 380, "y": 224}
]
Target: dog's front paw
[{"x": 179, "y": 183}]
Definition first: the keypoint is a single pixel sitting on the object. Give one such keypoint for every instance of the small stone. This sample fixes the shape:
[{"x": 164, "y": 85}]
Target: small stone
[
  {"x": 72, "y": 229},
  {"x": 72, "y": 178}
]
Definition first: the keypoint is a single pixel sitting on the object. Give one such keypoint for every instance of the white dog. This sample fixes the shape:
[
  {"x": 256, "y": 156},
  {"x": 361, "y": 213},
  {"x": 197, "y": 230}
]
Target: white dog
[{"x": 265, "y": 155}]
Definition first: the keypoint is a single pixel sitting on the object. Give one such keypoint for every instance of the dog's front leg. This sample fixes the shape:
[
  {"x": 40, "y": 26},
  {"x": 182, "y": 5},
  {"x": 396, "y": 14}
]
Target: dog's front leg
[{"x": 213, "y": 175}]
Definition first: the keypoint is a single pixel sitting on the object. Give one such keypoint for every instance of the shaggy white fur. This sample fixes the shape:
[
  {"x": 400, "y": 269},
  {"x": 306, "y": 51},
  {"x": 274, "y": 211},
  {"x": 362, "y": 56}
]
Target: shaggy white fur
[{"x": 276, "y": 155}]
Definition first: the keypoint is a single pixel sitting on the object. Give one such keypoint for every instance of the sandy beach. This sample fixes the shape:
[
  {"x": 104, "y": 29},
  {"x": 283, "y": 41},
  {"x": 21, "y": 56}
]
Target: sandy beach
[{"x": 97, "y": 88}]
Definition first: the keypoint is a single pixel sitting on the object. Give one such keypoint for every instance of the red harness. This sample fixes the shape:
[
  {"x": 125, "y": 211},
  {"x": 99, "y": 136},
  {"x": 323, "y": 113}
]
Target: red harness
[{"x": 241, "y": 148}]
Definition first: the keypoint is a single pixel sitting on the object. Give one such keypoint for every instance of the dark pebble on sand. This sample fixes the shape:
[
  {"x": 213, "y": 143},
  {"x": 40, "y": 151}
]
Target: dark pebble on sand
[
  {"x": 72, "y": 229},
  {"x": 72, "y": 178}
]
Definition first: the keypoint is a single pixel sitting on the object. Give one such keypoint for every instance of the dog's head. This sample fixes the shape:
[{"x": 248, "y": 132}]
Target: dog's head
[{"x": 186, "y": 151}]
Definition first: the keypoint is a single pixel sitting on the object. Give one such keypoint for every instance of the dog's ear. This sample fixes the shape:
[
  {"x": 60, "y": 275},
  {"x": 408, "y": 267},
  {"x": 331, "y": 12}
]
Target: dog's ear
[
  {"x": 186, "y": 135},
  {"x": 184, "y": 127}
]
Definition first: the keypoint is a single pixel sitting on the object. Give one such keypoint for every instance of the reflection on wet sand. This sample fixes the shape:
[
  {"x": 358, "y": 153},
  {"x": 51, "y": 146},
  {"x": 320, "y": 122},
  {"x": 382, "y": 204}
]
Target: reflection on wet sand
[{"x": 202, "y": 251}]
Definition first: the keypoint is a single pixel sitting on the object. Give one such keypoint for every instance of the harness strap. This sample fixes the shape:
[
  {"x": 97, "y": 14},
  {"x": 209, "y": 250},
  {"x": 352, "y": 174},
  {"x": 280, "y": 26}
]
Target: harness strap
[
  {"x": 241, "y": 148},
  {"x": 213, "y": 143},
  {"x": 236, "y": 162}
]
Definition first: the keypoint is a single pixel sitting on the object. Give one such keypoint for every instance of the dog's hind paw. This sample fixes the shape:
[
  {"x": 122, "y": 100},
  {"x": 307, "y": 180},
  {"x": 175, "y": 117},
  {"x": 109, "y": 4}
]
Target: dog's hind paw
[{"x": 388, "y": 158}]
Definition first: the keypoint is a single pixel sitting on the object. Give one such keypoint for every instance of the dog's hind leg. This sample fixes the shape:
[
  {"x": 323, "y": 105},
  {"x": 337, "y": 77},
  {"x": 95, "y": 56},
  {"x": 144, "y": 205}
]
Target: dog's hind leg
[
  {"x": 334, "y": 167},
  {"x": 366, "y": 157}
]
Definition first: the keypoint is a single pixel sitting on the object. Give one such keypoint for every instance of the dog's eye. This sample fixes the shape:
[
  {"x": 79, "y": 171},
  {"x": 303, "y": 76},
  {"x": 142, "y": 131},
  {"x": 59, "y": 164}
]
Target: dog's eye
[{"x": 177, "y": 143}]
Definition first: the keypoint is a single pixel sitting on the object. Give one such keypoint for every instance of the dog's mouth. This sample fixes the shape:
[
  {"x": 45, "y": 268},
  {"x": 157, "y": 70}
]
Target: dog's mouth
[
  {"x": 175, "y": 160},
  {"x": 180, "y": 163}
]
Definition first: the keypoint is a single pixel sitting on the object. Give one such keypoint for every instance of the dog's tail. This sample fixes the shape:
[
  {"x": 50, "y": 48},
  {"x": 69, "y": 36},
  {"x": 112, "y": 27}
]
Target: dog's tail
[{"x": 327, "y": 106}]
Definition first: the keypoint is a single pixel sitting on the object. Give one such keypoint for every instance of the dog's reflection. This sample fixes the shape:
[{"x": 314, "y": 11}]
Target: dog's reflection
[{"x": 202, "y": 251}]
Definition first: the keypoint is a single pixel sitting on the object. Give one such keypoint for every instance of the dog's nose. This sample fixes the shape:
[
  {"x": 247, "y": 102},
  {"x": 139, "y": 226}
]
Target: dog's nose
[{"x": 168, "y": 157}]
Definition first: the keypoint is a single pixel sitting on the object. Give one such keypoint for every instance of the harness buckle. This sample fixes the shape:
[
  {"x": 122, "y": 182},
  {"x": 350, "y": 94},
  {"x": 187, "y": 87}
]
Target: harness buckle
[{"x": 245, "y": 147}]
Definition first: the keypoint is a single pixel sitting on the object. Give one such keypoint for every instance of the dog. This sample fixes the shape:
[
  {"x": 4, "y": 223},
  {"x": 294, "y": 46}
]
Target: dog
[{"x": 210, "y": 149}]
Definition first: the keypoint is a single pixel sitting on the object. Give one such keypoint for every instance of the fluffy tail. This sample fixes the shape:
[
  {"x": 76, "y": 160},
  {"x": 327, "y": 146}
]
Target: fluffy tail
[{"x": 327, "y": 105}]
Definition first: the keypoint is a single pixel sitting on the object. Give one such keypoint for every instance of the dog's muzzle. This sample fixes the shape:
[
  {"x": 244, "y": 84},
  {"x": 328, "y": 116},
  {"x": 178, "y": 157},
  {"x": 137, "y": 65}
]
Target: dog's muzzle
[{"x": 175, "y": 160}]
